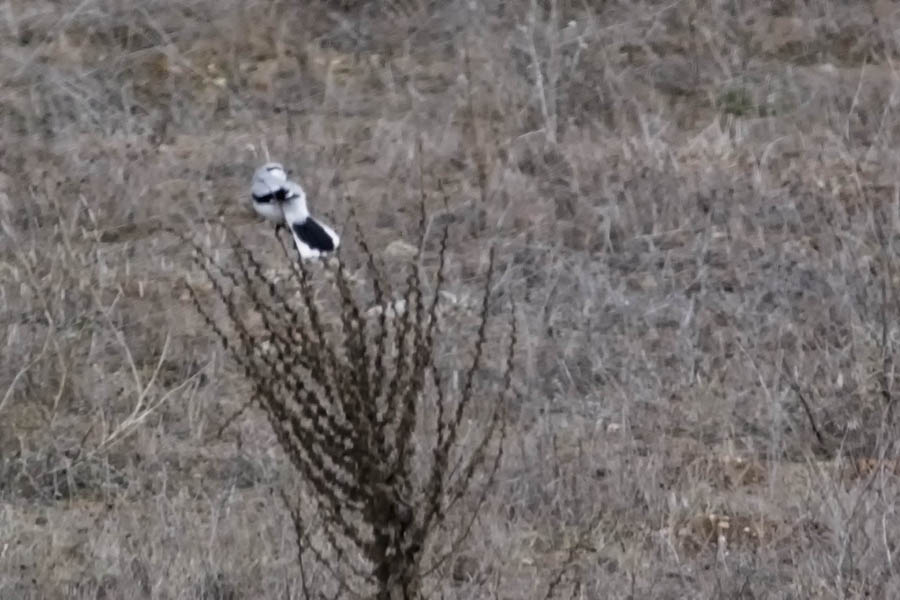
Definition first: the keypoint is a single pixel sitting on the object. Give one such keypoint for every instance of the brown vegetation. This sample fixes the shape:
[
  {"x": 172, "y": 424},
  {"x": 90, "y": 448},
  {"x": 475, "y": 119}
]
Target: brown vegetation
[{"x": 693, "y": 207}]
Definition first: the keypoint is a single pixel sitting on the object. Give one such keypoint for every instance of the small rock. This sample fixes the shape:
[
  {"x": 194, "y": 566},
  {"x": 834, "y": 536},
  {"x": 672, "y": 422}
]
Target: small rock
[{"x": 400, "y": 249}]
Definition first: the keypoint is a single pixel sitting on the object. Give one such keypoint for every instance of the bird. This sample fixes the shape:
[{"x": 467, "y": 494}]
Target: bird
[{"x": 282, "y": 201}]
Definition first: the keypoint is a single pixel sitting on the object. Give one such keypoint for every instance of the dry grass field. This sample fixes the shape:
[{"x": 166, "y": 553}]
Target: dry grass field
[{"x": 695, "y": 209}]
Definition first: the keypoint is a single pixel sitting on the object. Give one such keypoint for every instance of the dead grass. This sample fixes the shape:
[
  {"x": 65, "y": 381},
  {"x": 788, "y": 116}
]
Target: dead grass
[{"x": 695, "y": 209}]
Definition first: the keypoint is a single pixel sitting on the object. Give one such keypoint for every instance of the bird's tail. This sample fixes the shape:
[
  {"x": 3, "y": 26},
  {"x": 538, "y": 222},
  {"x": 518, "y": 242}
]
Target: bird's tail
[{"x": 314, "y": 239}]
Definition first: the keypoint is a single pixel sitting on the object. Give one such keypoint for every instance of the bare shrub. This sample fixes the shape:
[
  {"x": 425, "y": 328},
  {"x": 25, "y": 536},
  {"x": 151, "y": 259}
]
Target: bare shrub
[{"x": 361, "y": 404}]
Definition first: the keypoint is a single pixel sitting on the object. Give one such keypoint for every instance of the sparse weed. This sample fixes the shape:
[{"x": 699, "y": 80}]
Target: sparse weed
[{"x": 381, "y": 442}]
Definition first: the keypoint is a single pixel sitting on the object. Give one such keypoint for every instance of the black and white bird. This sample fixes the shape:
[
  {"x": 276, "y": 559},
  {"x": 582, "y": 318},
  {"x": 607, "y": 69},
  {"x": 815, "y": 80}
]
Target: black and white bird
[{"x": 283, "y": 201}]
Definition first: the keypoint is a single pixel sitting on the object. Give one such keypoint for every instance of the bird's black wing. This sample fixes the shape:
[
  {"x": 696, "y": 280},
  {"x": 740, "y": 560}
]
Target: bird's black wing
[{"x": 313, "y": 235}]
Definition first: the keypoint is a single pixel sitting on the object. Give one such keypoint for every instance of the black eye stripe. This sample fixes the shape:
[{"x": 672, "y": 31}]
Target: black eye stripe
[{"x": 279, "y": 195}]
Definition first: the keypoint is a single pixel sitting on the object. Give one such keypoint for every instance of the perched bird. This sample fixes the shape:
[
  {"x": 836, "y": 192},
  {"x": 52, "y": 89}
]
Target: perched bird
[{"x": 282, "y": 201}]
